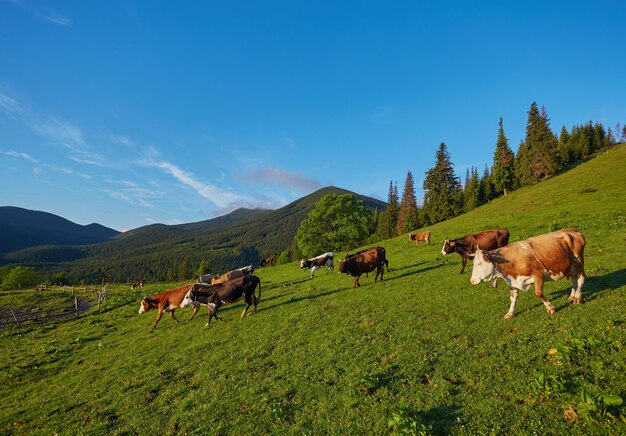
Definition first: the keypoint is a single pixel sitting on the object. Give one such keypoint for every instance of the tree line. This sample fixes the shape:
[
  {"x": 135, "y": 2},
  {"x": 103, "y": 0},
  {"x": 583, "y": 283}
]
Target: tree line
[{"x": 540, "y": 155}]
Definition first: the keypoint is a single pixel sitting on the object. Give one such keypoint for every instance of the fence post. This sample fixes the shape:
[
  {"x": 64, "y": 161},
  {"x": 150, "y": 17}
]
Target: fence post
[
  {"x": 76, "y": 305},
  {"x": 13, "y": 313}
]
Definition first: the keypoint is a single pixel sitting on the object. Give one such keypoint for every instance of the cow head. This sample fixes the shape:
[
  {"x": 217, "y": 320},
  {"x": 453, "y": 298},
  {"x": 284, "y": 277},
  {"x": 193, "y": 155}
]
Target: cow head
[
  {"x": 303, "y": 263},
  {"x": 448, "y": 247},
  {"x": 188, "y": 300},
  {"x": 344, "y": 265},
  {"x": 143, "y": 306},
  {"x": 484, "y": 268}
]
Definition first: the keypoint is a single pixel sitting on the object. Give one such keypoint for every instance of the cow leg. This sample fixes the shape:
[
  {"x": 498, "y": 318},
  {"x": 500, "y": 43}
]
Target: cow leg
[
  {"x": 248, "y": 298},
  {"x": 158, "y": 318},
  {"x": 173, "y": 317},
  {"x": 539, "y": 294},
  {"x": 313, "y": 269},
  {"x": 356, "y": 282},
  {"x": 195, "y": 311},
  {"x": 577, "y": 286},
  {"x": 513, "y": 294},
  {"x": 463, "y": 263}
]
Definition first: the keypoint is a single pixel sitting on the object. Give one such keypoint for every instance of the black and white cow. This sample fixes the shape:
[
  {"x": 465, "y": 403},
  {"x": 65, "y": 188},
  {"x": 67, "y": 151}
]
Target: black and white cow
[
  {"x": 215, "y": 296},
  {"x": 318, "y": 262},
  {"x": 205, "y": 278}
]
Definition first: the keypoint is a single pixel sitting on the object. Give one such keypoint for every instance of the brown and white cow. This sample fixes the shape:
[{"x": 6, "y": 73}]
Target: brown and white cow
[
  {"x": 231, "y": 275},
  {"x": 166, "y": 301},
  {"x": 551, "y": 256},
  {"x": 219, "y": 294},
  {"x": 317, "y": 262},
  {"x": 363, "y": 262},
  {"x": 424, "y": 236},
  {"x": 466, "y": 246}
]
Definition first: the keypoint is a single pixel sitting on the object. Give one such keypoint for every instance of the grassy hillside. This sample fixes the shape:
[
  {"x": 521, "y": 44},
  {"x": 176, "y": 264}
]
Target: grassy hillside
[
  {"x": 240, "y": 237},
  {"x": 422, "y": 351}
]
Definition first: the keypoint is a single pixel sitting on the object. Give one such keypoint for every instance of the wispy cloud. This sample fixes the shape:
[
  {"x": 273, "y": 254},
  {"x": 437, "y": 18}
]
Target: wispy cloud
[
  {"x": 121, "y": 139},
  {"x": 60, "y": 132},
  {"x": 11, "y": 107},
  {"x": 58, "y": 19},
  {"x": 217, "y": 196},
  {"x": 42, "y": 13},
  {"x": 285, "y": 179},
  {"x": 20, "y": 155},
  {"x": 130, "y": 192},
  {"x": 68, "y": 171}
]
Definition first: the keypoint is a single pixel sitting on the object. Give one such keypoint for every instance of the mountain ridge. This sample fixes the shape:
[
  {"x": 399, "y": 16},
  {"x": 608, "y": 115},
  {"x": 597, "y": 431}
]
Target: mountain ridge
[{"x": 229, "y": 241}]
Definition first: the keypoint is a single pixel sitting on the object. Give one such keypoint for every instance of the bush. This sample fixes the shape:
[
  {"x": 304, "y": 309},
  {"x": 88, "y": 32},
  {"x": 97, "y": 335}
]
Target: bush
[{"x": 20, "y": 277}]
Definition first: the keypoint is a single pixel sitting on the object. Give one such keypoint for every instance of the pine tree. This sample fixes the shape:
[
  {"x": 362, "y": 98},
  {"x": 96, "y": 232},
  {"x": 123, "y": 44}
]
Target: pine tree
[
  {"x": 564, "y": 154},
  {"x": 442, "y": 189},
  {"x": 389, "y": 218},
  {"x": 471, "y": 191},
  {"x": 503, "y": 171},
  {"x": 486, "y": 190},
  {"x": 536, "y": 157},
  {"x": 407, "y": 214}
]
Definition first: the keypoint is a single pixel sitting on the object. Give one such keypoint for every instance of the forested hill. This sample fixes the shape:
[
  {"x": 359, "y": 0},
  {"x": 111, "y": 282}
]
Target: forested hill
[
  {"x": 151, "y": 252},
  {"x": 21, "y": 228}
]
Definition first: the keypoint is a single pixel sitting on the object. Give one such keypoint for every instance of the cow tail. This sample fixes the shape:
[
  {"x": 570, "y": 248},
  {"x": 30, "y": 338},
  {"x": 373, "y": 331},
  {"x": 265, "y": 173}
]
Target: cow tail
[
  {"x": 258, "y": 299},
  {"x": 387, "y": 264}
]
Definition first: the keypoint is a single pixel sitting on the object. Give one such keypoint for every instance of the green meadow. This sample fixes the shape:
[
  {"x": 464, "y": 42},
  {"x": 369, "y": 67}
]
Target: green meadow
[{"x": 422, "y": 352}]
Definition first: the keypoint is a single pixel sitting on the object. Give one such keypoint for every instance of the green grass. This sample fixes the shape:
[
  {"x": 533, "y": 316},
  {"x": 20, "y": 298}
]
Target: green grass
[{"x": 423, "y": 352}]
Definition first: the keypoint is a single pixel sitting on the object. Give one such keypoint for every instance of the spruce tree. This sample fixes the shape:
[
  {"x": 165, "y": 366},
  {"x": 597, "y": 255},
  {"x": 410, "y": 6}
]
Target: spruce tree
[
  {"x": 389, "y": 218},
  {"x": 407, "y": 214},
  {"x": 564, "y": 155},
  {"x": 503, "y": 171},
  {"x": 536, "y": 157},
  {"x": 471, "y": 191},
  {"x": 442, "y": 189},
  {"x": 486, "y": 190}
]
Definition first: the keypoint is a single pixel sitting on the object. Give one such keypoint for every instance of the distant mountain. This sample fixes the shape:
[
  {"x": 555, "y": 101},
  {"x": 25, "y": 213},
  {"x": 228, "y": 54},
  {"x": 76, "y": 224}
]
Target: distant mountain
[
  {"x": 21, "y": 228},
  {"x": 236, "y": 239}
]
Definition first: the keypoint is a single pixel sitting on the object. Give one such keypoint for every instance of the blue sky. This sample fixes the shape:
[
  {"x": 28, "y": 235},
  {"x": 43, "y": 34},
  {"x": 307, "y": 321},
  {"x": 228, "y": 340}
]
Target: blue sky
[{"x": 128, "y": 113}]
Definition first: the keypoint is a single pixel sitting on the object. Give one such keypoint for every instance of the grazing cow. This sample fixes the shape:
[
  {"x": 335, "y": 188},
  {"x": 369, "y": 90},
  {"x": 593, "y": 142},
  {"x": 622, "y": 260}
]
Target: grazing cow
[
  {"x": 318, "y": 262},
  {"x": 552, "y": 256},
  {"x": 167, "y": 301},
  {"x": 424, "y": 236},
  {"x": 363, "y": 262},
  {"x": 206, "y": 278},
  {"x": 234, "y": 274},
  {"x": 217, "y": 295},
  {"x": 466, "y": 246},
  {"x": 265, "y": 261},
  {"x": 138, "y": 284}
]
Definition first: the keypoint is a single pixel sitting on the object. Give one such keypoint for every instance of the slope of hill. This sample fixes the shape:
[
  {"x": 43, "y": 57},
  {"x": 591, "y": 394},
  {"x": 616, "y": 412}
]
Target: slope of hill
[
  {"x": 236, "y": 239},
  {"x": 21, "y": 228},
  {"x": 422, "y": 352}
]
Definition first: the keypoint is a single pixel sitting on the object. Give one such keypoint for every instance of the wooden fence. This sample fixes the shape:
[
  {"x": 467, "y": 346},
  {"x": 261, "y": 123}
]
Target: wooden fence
[{"x": 91, "y": 297}]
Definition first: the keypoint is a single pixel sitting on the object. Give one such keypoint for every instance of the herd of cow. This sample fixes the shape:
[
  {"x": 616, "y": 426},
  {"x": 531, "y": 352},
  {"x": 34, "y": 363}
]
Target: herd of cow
[{"x": 550, "y": 256}]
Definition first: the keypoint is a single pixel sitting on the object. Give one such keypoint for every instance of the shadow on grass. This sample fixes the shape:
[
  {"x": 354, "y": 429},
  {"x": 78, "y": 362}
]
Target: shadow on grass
[
  {"x": 442, "y": 419},
  {"x": 418, "y": 271},
  {"x": 598, "y": 285},
  {"x": 302, "y": 298}
]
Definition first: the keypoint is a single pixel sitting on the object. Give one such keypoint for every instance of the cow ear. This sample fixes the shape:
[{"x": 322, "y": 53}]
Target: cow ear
[{"x": 452, "y": 244}]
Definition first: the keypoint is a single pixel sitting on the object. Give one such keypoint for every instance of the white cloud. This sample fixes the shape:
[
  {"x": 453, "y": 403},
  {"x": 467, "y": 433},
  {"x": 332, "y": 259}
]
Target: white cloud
[
  {"x": 285, "y": 179},
  {"x": 11, "y": 107},
  {"x": 60, "y": 132},
  {"x": 132, "y": 194},
  {"x": 20, "y": 155},
  {"x": 58, "y": 19},
  {"x": 212, "y": 193}
]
